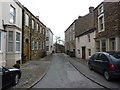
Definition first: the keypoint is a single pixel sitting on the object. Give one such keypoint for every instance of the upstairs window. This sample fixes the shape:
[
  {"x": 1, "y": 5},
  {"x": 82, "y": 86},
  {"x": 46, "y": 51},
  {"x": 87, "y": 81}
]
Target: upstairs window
[
  {"x": 101, "y": 23},
  {"x": 12, "y": 14},
  {"x": 33, "y": 24},
  {"x": 26, "y": 20},
  {"x": 47, "y": 38},
  {"x": 88, "y": 38},
  {"x": 37, "y": 27},
  {"x": 40, "y": 29},
  {"x": 100, "y": 10}
]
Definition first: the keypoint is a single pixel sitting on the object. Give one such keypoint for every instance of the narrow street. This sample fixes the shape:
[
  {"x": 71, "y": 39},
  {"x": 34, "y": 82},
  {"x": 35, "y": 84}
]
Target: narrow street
[{"x": 62, "y": 74}]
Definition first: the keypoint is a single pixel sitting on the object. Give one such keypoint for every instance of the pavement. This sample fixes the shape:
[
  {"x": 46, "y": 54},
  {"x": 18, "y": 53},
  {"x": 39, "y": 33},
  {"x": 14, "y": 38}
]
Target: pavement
[{"x": 33, "y": 71}]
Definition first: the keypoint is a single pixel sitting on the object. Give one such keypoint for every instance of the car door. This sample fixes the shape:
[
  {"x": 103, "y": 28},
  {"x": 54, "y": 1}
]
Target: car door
[
  {"x": 6, "y": 77},
  {"x": 97, "y": 62}
]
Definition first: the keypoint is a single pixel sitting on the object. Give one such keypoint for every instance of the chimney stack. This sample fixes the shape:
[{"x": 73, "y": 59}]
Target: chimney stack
[
  {"x": 91, "y": 9},
  {"x": 37, "y": 17}
]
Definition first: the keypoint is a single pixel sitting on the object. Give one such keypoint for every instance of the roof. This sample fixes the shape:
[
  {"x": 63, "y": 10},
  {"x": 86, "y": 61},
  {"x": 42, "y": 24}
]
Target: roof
[
  {"x": 34, "y": 16},
  {"x": 70, "y": 25},
  {"x": 86, "y": 32}
]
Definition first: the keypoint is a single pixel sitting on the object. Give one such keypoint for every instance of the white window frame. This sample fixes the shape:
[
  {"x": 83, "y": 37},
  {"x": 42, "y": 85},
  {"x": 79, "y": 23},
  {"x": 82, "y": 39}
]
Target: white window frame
[
  {"x": 10, "y": 41},
  {"x": 33, "y": 22},
  {"x": 18, "y": 42},
  {"x": 37, "y": 26},
  {"x": 89, "y": 52},
  {"x": 12, "y": 14},
  {"x": 37, "y": 46},
  {"x": 99, "y": 25},
  {"x": 41, "y": 47},
  {"x": 40, "y": 29},
  {"x": 32, "y": 44},
  {"x": 100, "y": 9},
  {"x": 89, "y": 40},
  {"x": 0, "y": 41},
  {"x": 26, "y": 19}
]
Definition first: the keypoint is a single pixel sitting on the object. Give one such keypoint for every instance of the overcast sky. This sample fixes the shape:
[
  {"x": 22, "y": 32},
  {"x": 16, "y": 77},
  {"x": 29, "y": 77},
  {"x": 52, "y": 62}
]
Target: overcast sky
[{"x": 59, "y": 14}]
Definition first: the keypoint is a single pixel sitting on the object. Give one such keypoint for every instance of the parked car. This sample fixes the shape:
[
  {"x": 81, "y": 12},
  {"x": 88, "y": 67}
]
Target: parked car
[
  {"x": 107, "y": 63},
  {"x": 9, "y": 76}
]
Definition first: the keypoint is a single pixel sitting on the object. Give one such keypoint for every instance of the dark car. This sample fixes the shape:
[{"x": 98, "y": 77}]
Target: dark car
[
  {"x": 107, "y": 63},
  {"x": 9, "y": 76}
]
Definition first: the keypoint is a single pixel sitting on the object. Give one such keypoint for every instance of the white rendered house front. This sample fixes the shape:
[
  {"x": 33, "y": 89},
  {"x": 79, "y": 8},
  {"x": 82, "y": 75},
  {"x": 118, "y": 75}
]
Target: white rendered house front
[
  {"x": 85, "y": 44},
  {"x": 49, "y": 41},
  {"x": 12, "y": 22}
]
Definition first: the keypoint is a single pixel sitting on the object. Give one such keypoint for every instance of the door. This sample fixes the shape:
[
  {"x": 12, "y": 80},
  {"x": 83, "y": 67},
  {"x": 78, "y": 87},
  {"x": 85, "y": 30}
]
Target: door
[
  {"x": 27, "y": 49},
  {"x": 83, "y": 53}
]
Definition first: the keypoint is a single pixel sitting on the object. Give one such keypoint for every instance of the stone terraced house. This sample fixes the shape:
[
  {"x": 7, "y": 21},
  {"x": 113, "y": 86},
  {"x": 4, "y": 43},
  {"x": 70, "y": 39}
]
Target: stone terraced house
[
  {"x": 34, "y": 32},
  {"x": 107, "y": 22}
]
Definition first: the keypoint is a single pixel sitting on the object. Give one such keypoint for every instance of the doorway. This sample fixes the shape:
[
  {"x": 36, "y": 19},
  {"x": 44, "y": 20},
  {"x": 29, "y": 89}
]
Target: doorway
[
  {"x": 83, "y": 53},
  {"x": 27, "y": 48}
]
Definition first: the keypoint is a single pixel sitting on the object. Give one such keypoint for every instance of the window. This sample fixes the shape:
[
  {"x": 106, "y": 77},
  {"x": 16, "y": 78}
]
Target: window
[
  {"x": 100, "y": 10},
  {"x": 89, "y": 52},
  {"x": 37, "y": 27},
  {"x": 78, "y": 51},
  {"x": 73, "y": 35},
  {"x": 32, "y": 24},
  {"x": 26, "y": 20},
  {"x": 43, "y": 31},
  {"x": 40, "y": 29},
  {"x": 103, "y": 45},
  {"x": 37, "y": 45},
  {"x": 10, "y": 41},
  {"x": 12, "y": 14},
  {"x": 88, "y": 38},
  {"x": 113, "y": 45},
  {"x": 47, "y": 48},
  {"x": 101, "y": 23},
  {"x": 47, "y": 38},
  {"x": 17, "y": 41},
  {"x": 32, "y": 46},
  {"x": 41, "y": 46},
  {"x": 0, "y": 41}
]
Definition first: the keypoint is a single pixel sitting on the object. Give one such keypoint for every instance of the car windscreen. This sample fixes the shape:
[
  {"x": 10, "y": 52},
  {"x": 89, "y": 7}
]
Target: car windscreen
[{"x": 115, "y": 56}]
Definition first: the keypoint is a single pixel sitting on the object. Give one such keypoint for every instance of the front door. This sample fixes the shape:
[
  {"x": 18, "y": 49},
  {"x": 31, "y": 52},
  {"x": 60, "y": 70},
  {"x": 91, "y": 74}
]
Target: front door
[
  {"x": 27, "y": 49},
  {"x": 83, "y": 53}
]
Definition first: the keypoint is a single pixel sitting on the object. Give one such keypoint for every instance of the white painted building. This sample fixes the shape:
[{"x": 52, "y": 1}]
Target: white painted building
[
  {"x": 85, "y": 44},
  {"x": 49, "y": 41},
  {"x": 11, "y": 16}
]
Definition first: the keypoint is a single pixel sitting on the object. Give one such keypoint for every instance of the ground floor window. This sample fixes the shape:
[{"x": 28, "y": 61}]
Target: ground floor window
[
  {"x": 0, "y": 41},
  {"x": 32, "y": 45},
  {"x": 47, "y": 48},
  {"x": 17, "y": 41},
  {"x": 89, "y": 52},
  {"x": 103, "y": 42},
  {"x": 10, "y": 41}
]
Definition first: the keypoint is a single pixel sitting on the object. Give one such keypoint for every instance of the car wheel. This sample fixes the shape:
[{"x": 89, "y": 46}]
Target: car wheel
[
  {"x": 16, "y": 80},
  {"x": 90, "y": 67},
  {"x": 107, "y": 76}
]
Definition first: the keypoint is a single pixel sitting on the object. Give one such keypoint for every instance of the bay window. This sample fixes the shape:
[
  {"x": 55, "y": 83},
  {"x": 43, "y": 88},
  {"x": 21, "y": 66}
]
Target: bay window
[
  {"x": 10, "y": 41},
  {"x": 17, "y": 41}
]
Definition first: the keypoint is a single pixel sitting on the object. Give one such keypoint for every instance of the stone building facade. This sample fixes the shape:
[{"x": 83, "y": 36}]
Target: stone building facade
[
  {"x": 107, "y": 22},
  {"x": 70, "y": 39},
  {"x": 85, "y": 34},
  {"x": 33, "y": 36}
]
